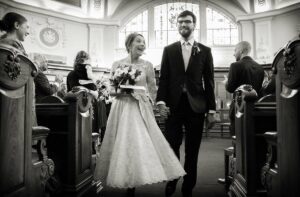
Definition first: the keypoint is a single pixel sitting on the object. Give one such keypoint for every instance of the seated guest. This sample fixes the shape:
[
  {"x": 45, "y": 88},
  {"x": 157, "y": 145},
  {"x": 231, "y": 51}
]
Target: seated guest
[
  {"x": 244, "y": 71},
  {"x": 42, "y": 86},
  {"x": 62, "y": 90},
  {"x": 82, "y": 74}
]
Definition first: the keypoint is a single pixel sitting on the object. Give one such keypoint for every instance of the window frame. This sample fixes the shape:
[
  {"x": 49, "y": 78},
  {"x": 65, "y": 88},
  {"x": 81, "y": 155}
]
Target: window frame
[{"x": 201, "y": 19}]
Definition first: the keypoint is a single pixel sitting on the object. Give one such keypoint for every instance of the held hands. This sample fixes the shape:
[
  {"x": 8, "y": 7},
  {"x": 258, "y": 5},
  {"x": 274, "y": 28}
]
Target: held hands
[
  {"x": 210, "y": 120},
  {"x": 164, "y": 111},
  {"x": 225, "y": 79}
]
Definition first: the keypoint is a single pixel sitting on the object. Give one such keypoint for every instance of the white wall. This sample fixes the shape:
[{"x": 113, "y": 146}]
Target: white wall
[
  {"x": 284, "y": 28},
  {"x": 73, "y": 36},
  {"x": 268, "y": 32},
  {"x": 97, "y": 39}
]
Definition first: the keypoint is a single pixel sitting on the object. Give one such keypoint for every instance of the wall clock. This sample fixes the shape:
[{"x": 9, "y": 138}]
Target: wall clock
[{"x": 49, "y": 37}]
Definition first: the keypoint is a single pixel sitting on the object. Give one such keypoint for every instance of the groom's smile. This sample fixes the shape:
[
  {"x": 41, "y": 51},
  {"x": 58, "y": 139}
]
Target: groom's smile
[{"x": 185, "y": 26}]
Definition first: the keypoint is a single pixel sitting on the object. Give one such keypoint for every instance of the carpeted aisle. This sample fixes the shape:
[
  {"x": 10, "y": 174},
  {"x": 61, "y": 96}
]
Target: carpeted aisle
[{"x": 210, "y": 168}]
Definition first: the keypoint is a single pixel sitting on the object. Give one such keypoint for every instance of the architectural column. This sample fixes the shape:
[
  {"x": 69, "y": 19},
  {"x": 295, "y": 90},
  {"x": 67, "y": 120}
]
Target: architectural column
[
  {"x": 263, "y": 40},
  {"x": 110, "y": 44},
  {"x": 95, "y": 44},
  {"x": 202, "y": 21},
  {"x": 151, "y": 30},
  {"x": 247, "y": 34}
]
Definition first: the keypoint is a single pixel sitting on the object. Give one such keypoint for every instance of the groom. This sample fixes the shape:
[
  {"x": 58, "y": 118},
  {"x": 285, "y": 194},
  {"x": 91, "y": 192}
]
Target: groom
[{"x": 185, "y": 95}]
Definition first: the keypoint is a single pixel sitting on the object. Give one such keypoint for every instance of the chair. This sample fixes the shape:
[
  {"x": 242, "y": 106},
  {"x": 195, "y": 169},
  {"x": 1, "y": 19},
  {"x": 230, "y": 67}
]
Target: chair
[{"x": 224, "y": 120}]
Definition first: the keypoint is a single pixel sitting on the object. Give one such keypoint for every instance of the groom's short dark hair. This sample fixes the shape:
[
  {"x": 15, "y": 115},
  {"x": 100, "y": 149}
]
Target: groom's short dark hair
[{"x": 187, "y": 13}]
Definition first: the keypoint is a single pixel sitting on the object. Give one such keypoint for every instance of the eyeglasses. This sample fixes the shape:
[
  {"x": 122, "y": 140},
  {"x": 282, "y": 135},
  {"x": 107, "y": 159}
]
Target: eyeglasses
[{"x": 184, "y": 21}]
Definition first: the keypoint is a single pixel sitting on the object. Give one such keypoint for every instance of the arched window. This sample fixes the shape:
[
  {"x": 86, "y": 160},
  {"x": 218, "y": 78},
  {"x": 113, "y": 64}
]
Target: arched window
[
  {"x": 157, "y": 22},
  {"x": 165, "y": 20},
  {"x": 137, "y": 24},
  {"x": 221, "y": 30}
]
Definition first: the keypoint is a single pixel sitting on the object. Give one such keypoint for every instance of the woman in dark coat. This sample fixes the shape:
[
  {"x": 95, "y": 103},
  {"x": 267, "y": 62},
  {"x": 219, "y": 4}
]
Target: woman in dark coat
[{"x": 82, "y": 76}]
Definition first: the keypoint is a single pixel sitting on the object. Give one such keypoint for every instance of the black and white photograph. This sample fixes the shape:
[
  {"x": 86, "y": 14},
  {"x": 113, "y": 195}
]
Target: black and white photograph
[{"x": 149, "y": 98}]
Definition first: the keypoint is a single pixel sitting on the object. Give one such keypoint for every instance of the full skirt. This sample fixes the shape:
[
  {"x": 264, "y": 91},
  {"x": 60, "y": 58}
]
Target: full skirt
[{"x": 134, "y": 151}]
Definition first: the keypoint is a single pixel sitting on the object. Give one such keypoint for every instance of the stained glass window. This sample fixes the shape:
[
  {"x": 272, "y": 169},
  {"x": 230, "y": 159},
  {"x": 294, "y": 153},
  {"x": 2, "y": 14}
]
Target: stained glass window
[
  {"x": 165, "y": 19},
  {"x": 137, "y": 24},
  {"x": 221, "y": 30}
]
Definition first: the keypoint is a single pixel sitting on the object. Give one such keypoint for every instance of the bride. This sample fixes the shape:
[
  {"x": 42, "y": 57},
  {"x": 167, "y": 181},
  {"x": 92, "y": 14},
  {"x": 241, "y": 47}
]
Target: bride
[{"x": 134, "y": 152}]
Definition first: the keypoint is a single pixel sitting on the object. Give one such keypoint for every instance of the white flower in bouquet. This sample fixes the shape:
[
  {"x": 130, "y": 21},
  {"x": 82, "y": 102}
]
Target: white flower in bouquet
[
  {"x": 103, "y": 88},
  {"x": 138, "y": 78},
  {"x": 126, "y": 70},
  {"x": 125, "y": 75}
]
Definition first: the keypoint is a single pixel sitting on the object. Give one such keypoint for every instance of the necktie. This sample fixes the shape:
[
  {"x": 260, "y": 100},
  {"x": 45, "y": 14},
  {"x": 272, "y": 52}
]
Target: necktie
[{"x": 186, "y": 53}]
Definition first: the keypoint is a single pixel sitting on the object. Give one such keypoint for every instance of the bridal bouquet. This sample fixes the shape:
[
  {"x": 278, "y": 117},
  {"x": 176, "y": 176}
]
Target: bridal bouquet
[
  {"x": 103, "y": 90},
  {"x": 124, "y": 76}
]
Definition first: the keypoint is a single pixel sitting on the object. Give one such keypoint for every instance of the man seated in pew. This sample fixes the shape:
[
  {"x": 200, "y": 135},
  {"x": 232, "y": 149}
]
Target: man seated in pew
[
  {"x": 42, "y": 86},
  {"x": 244, "y": 71}
]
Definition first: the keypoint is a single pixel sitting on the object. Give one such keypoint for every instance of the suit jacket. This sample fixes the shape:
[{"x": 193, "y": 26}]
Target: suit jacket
[
  {"x": 198, "y": 78},
  {"x": 245, "y": 71},
  {"x": 43, "y": 87}
]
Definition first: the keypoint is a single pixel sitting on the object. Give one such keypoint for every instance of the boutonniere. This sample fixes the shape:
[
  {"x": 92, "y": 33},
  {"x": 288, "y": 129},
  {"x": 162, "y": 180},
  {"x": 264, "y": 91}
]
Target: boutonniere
[{"x": 196, "y": 50}]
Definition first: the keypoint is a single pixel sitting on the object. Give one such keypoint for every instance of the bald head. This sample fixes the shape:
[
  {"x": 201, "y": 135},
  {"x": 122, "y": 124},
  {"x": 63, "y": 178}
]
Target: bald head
[{"x": 242, "y": 49}]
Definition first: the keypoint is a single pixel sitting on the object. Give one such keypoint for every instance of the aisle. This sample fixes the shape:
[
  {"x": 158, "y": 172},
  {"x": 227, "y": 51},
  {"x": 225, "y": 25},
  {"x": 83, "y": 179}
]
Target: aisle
[{"x": 210, "y": 168}]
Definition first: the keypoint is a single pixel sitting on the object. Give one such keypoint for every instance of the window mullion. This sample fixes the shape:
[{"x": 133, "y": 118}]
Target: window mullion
[
  {"x": 203, "y": 25},
  {"x": 151, "y": 30}
]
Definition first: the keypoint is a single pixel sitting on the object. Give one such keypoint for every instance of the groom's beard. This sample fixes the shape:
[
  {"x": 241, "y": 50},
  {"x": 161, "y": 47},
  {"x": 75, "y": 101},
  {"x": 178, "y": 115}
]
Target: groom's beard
[{"x": 185, "y": 32}]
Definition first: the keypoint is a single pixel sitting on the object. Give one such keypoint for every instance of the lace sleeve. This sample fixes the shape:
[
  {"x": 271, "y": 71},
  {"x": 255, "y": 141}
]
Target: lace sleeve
[{"x": 151, "y": 82}]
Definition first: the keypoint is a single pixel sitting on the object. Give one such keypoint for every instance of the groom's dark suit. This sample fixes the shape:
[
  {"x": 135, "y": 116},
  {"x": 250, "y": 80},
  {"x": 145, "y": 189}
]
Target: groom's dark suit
[{"x": 189, "y": 94}]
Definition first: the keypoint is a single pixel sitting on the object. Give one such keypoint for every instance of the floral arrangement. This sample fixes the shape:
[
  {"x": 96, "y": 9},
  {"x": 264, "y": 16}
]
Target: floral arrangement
[
  {"x": 195, "y": 50},
  {"x": 103, "y": 90},
  {"x": 125, "y": 75}
]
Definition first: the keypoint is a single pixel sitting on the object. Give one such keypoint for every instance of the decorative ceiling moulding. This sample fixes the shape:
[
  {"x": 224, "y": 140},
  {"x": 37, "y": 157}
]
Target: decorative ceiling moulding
[
  {"x": 76, "y": 3},
  {"x": 55, "y": 14},
  {"x": 269, "y": 13}
]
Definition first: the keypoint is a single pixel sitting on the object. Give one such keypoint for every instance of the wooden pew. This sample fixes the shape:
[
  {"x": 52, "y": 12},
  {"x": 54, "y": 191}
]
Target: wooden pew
[
  {"x": 70, "y": 142},
  {"x": 252, "y": 120},
  {"x": 22, "y": 174},
  {"x": 269, "y": 172},
  {"x": 43, "y": 167},
  {"x": 287, "y": 64}
]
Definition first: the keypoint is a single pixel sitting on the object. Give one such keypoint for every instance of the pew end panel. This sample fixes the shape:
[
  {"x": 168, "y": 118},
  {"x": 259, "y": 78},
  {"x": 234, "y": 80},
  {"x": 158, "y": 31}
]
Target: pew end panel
[
  {"x": 70, "y": 141},
  {"x": 269, "y": 172},
  {"x": 16, "y": 97},
  {"x": 252, "y": 120},
  {"x": 287, "y": 65}
]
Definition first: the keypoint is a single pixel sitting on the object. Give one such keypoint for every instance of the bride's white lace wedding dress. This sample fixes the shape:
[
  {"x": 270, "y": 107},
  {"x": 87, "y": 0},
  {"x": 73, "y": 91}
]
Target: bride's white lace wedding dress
[{"x": 134, "y": 151}]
